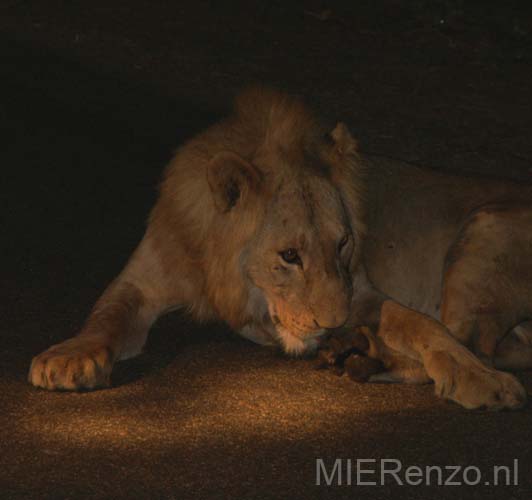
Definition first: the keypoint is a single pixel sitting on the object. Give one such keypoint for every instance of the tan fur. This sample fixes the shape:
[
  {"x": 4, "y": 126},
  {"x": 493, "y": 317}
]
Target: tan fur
[{"x": 269, "y": 179}]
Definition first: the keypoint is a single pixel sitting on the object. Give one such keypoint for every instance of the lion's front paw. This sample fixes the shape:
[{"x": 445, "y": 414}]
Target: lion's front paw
[
  {"x": 77, "y": 363},
  {"x": 474, "y": 385}
]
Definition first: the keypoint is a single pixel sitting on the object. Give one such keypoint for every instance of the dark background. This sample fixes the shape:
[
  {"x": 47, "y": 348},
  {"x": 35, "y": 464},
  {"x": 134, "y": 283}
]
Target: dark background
[{"x": 94, "y": 98}]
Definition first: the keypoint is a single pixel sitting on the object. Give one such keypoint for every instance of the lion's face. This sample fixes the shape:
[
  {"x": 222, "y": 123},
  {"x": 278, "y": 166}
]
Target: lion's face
[
  {"x": 287, "y": 224},
  {"x": 300, "y": 261}
]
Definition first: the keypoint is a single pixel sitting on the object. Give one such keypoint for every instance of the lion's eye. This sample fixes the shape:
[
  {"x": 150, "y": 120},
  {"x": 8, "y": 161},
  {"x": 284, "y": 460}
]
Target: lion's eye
[
  {"x": 290, "y": 256},
  {"x": 343, "y": 242}
]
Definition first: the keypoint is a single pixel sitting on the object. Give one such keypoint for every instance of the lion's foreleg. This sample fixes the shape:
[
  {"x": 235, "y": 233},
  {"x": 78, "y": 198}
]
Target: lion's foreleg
[
  {"x": 116, "y": 329},
  {"x": 366, "y": 318},
  {"x": 456, "y": 372}
]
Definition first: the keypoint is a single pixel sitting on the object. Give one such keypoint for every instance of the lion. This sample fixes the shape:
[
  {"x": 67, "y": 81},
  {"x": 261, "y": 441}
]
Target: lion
[{"x": 280, "y": 228}]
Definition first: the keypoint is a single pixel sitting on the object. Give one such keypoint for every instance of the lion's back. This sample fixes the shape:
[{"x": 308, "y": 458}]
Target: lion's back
[{"x": 414, "y": 215}]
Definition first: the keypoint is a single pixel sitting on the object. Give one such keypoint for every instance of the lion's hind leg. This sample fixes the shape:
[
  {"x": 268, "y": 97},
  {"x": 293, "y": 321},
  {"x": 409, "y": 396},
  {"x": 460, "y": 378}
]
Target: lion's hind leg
[
  {"x": 487, "y": 282},
  {"x": 514, "y": 352}
]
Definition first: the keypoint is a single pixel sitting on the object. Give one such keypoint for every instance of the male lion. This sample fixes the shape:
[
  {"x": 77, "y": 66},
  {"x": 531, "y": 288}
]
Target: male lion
[{"x": 283, "y": 231}]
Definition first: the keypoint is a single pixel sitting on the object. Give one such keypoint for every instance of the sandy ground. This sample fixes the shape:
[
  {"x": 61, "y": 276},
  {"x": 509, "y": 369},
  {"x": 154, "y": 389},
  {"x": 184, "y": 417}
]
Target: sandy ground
[{"x": 94, "y": 99}]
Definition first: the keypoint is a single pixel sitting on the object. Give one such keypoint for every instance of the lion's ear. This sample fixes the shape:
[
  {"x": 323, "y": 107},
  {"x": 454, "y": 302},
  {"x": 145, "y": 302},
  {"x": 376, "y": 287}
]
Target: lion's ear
[
  {"x": 343, "y": 142},
  {"x": 231, "y": 179}
]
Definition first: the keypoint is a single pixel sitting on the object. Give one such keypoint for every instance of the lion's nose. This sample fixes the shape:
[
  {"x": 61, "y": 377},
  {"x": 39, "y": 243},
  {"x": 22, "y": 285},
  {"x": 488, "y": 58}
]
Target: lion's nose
[{"x": 333, "y": 322}]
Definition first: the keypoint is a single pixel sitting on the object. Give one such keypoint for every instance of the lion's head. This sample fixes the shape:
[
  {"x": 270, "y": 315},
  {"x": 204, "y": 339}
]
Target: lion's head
[
  {"x": 300, "y": 259},
  {"x": 279, "y": 233}
]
